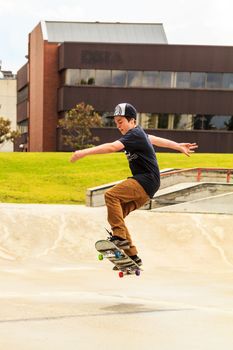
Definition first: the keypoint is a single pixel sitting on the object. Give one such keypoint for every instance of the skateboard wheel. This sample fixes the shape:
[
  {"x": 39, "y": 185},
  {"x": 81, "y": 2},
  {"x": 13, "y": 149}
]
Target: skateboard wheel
[
  {"x": 121, "y": 274},
  {"x": 100, "y": 256},
  {"x": 137, "y": 272},
  {"x": 117, "y": 254}
]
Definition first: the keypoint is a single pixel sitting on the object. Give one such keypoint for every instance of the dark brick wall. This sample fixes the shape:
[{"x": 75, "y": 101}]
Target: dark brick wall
[
  {"x": 22, "y": 77},
  {"x": 22, "y": 111},
  {"x": 184, "y": 58},
  {"x": 149, "y": 100},
  {"x": 208, "y": 141}
]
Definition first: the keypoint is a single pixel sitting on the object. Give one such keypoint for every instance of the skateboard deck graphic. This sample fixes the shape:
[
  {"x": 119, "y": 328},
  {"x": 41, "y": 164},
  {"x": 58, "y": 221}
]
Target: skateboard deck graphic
[{"x": 118, "y": 257}]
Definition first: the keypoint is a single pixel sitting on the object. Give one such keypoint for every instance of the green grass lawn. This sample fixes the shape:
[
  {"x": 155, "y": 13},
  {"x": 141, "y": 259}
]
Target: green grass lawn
[{"x": 51, "y": 178}]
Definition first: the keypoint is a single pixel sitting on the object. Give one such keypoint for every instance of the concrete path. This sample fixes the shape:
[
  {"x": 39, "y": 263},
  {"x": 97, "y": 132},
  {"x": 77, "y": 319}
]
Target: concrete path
[{"x": 54, "y": 293}]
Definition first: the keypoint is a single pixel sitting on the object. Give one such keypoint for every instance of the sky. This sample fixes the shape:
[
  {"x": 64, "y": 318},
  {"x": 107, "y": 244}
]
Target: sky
[{"x": 194, "y": 22}]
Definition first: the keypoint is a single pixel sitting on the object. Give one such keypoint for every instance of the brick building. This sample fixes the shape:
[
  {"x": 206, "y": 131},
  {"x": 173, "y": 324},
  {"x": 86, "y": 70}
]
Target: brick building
[{"x": 182, "y": 92}]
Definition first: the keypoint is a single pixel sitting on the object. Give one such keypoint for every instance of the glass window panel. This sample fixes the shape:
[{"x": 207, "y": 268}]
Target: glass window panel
[
  {"x": 165, "y": 79},
  {"x": 182, "y": 79},
  {"x": 87, "y": 76},
  {"x": 163, "y": 121},
  {"x": 198, "y": 80},
  {"x": 211, "y": 122},
  {"x": 214, "y": 80},
  {"x": 203, "y": 122},
  {"x": 148, "y": 120},
  {"x": 221, "y": 122},
  {"x": 72, "y": 76},
  {"x": 183, "y": 121},
  {"x": 119, "y": 78},
  {"x": 229, "y": 123},
  {"x": 23, "y": 126},
  {"x": 107, "y": 122},
  {"x": 150, "y": 79},
  {"x": 103, "y": 77},
  {"x": 144, "y": 120},
  {"x": 227, "y": 81},
  {"x": 134, "y": 78},
  {"x": 152, "y": 121}
]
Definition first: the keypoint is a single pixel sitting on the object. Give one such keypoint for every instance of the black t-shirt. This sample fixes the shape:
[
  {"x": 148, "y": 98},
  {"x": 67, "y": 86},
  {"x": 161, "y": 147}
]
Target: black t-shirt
[{"x": 142, "y": 159}]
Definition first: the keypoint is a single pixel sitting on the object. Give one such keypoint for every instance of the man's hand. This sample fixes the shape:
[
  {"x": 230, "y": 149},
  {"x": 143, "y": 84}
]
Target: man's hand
[
  {"x": 77, "y": 155},
  {"x": 188, "y": 148}
]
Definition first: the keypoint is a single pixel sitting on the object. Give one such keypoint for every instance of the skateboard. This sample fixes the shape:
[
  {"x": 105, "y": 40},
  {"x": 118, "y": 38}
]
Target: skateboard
[{"x": 108, "y": 250}]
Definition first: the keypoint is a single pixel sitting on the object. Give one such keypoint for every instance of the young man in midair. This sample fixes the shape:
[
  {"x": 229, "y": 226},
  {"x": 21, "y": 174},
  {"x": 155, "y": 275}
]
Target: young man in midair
[{"x": 134, "y": 192}]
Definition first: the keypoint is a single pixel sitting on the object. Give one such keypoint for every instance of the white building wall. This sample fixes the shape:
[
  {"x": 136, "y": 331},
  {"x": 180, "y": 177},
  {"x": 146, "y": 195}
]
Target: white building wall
[{"x": 8, "y": 100}]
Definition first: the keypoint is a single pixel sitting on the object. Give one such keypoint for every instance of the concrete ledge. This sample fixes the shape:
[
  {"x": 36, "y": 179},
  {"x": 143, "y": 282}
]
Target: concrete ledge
[
  {"x": 218, "y": 204},
  {"x": 187, "y": 192},
  {"x": 95, "y": 195},
  {"x": 169, "y": 177}
]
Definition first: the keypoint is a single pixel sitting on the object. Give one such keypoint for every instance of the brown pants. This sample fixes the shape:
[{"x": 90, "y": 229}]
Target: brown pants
[{"x": 121, "y": 200}]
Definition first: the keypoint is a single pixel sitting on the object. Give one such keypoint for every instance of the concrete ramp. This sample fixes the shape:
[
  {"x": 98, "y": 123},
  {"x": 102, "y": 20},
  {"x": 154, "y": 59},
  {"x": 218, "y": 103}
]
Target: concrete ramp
[
  {"x": 55, "y": 234},
  {"x": 55, "y": 293},
  {"x": 64, "y": 235}
]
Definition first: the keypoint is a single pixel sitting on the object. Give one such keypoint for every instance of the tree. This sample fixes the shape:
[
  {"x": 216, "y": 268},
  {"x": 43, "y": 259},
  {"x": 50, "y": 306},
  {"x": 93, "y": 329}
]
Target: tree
[
  {"x": 76, "y": 126},
  {"x": 6, "y": 133}
]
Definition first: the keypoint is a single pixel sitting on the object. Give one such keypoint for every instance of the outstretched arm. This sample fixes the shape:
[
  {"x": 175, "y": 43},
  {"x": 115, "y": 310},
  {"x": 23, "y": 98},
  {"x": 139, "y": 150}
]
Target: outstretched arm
[
  {"x": 101, "y": 149},
  {"x": 185, "y": 148}
]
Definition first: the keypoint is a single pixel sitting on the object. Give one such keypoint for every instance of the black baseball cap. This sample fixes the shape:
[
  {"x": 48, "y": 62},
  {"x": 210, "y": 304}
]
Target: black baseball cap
[{"x": 124, "y": 110}]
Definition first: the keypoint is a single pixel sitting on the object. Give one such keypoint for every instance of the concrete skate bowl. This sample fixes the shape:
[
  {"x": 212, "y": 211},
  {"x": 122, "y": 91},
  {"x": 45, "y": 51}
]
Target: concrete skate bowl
[
  {"x": 43, "y": 236},
  {"x": 47, "y": 234},
  {"x": 55, "y": 293}
]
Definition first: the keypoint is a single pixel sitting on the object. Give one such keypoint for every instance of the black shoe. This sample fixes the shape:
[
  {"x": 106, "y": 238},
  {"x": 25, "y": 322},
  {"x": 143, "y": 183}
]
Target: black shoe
[
  {"x": 120, "y": 242},
  {"x": 136, "y": 259}
]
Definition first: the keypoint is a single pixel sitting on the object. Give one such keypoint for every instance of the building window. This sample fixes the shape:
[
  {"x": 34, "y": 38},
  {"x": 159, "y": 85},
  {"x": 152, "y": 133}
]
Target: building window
[
  {"x": 214, "y": 81},
  {"x": 87, "y": 76},
  {"x": 72, "y": 77},
  {"x": 180, "y": 121},
  {"x": 103, "y": 77},
  {"x": 183, "y": 121},
  {"x": 197, "y": 80},
  {"x": 213, "y": 122},
  {"x": 165, "y": 79},
  {"x": 134, "y": 78},
  {"x": 23, "y": 126},
  {"x": 143, "y": 120},
  {"x": 107, "y": 122},
  {"x": 227, "y": 82},
  {"x": 119, "y": 77},
  {"x": 163, "y": 121},
  {"x": 152, "y": 121},
  {"x": 183, "y": 80},
  {"x": 202, "y": 122},
  {"x": 229, "y": 123},
  {"x": 221, "y": 122},
  {"x": 150, "y": 79},
  {"x": 148, "y": 120}
]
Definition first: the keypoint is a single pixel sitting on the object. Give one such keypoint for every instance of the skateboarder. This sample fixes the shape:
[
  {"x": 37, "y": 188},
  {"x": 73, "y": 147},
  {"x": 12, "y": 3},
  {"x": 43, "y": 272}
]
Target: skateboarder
[{"x": 134, "y": 192}]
